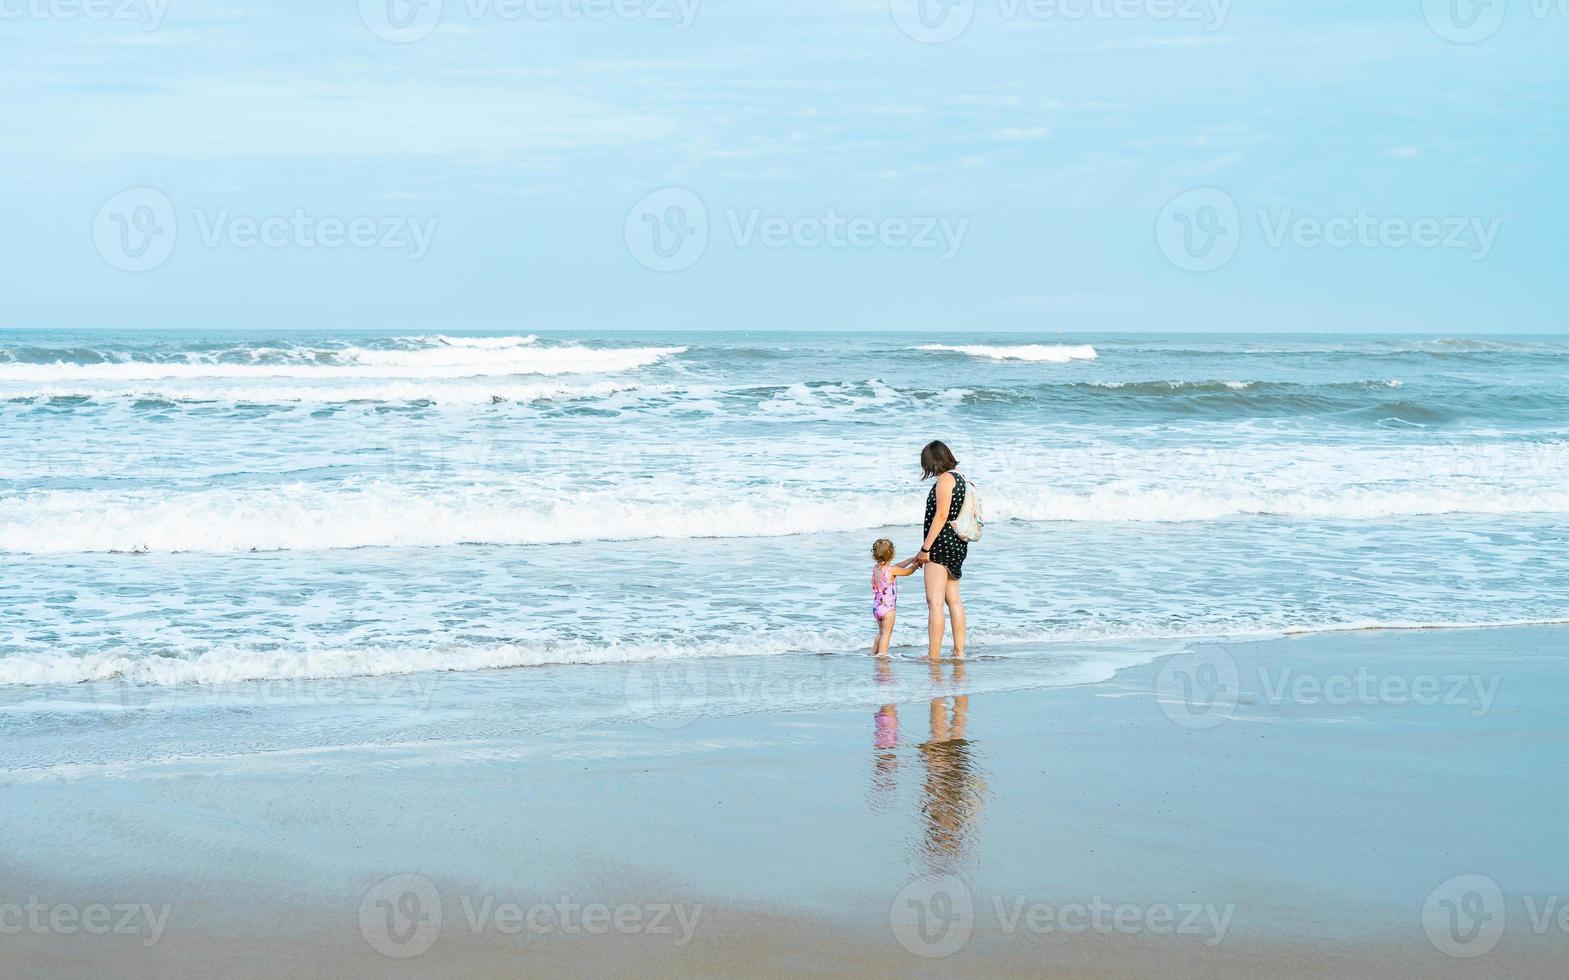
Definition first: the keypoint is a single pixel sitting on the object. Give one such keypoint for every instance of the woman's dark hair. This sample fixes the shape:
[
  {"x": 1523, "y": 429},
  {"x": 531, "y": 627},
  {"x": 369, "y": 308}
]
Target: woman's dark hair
[{"x": 937, "y": 459}]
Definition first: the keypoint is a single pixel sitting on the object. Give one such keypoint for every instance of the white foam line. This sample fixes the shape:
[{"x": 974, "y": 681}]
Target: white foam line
[
  {"x": 232, "y": 667},
  {"x": 355, "y": 364},
  {"x": 463, "y": 392},
  {"x": 1043, "y": 353},
  {"x": 304, "y": 517}
]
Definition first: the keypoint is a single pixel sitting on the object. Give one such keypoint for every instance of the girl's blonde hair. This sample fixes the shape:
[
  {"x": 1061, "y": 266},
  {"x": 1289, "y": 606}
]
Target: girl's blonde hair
[{"x": 882, "y": 551}]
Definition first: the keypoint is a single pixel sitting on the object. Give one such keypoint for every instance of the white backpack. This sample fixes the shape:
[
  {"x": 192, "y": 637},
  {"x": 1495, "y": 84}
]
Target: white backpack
[{"x": 970, "y": 522}]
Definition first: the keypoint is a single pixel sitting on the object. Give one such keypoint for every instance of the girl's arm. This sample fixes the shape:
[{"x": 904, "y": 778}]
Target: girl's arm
[
  {"x": 901, "y": 569},
  {"x": 939, "y": 519}
]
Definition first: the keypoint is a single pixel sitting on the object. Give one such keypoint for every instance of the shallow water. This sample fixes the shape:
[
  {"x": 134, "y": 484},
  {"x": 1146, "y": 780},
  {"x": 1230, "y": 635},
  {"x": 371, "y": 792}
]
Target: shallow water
[{"x": 181, "y": 507}]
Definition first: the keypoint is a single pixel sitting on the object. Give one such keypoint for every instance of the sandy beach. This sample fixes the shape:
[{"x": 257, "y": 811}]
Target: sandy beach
[{"x": 1351, "y": 802}]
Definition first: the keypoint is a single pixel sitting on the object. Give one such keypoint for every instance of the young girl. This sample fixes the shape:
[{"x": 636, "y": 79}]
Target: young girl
[{"x": 885, "y": 593}]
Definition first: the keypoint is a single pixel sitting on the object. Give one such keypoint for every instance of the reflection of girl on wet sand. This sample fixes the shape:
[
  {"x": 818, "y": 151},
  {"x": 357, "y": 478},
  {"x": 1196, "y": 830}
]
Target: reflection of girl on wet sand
[
  {"x": 885, "y": 743},
  {"x": 885, "y": 761}
]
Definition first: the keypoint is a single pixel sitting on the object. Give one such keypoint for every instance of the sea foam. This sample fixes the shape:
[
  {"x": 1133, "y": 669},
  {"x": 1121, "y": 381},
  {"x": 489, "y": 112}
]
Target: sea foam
[
  {"x": 1043, "y": 353},
  {"x": 302, "y": 517},
  {"x": 353, "y": 363}
]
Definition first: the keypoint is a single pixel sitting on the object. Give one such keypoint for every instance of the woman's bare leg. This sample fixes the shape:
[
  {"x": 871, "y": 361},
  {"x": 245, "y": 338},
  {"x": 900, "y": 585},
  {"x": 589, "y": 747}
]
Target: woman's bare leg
[
  {"x": 936, "y": 590},
  {"x": 939, "y": 719},
  {"x": 955, "y": 613}
]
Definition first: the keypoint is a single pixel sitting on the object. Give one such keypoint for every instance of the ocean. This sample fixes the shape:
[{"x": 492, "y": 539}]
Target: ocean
[{"x": 183, "y": 509}]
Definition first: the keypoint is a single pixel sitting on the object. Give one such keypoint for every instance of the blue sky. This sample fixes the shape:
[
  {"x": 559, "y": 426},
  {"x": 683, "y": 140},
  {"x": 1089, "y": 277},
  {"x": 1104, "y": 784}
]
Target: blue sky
[{"x": 1066, "y": 165}]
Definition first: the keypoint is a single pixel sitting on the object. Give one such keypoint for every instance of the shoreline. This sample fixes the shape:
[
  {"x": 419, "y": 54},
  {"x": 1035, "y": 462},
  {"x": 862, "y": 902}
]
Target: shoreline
[
  {"x": 988, "y": 648},
  {"x": 1326, "y": 822}
]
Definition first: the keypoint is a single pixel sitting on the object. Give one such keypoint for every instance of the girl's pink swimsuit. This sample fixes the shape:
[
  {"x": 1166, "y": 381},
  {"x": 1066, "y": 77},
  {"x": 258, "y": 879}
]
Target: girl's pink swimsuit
[
  {"x": 885, "y": 593},
  {"x": 887, "y": 735}
]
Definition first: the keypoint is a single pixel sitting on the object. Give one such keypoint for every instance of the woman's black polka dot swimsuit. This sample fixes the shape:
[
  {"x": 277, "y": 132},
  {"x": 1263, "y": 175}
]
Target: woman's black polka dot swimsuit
[{"x": 949, "y": 550}]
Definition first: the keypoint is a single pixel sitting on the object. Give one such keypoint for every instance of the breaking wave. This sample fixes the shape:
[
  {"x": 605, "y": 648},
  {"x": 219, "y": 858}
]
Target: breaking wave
[{"x": 1042, "y": 353}]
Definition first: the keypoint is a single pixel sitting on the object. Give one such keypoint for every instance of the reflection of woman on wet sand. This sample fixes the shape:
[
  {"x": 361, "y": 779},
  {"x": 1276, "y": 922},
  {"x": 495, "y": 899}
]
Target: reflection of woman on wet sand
[{"x": 952, "y": 791}]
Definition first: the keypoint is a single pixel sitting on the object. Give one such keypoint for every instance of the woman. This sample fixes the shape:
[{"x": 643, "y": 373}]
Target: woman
[{"x": 942, "y": 551}]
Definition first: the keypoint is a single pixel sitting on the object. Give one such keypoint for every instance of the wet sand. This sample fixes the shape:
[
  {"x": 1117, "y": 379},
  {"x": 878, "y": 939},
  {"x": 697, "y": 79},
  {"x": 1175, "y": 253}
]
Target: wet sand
[{"x": 1351, "y": 803}]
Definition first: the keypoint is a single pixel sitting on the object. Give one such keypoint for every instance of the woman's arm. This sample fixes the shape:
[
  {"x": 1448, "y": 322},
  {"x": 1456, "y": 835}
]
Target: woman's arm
[{"x": 939, "y": 519}]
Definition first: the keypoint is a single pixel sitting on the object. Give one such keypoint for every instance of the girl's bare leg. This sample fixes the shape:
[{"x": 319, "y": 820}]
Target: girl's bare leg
[
  {"x": 956, "y": 613},
  {"x": 884, "y": 634},
  {"x": 936, "y": 590}
]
